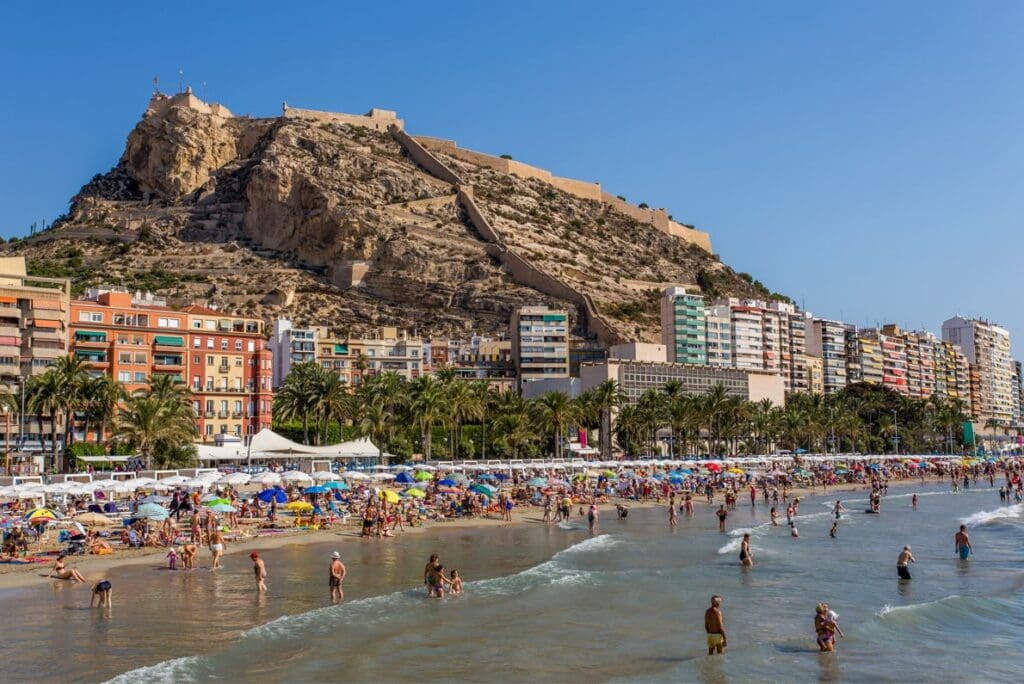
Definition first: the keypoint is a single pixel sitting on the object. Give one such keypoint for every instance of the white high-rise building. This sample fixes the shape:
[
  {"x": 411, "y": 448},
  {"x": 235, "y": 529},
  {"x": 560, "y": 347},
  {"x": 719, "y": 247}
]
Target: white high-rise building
[{"x": 987, "y": 348}]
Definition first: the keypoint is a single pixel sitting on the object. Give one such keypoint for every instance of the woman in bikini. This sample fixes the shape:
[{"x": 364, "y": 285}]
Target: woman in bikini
[
  {"x": 824, "y": 628},
  {"x": 65, "y": 573}
]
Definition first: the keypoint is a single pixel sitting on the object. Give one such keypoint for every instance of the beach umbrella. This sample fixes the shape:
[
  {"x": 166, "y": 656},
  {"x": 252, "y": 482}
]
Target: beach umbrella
[
  {"x": 446, "y": 483},
  {"x": 217, "y": 501},
  {"x": 404, "y": 478},
  {"x": 415, "y": 493},
  {"x": 537, "y": 482},
  {"x": 486, "y": 490},
  {"x": 553, "y": 482},
  {"x": 152, "y": 511},
  {"x": 325, "y": 476},
  {"x": 337, "y": 484},
  {"x": 268, "y": 495},
  {"x": 268, "y": 478},
  {"x": 460, "y": 478},
  {"x": 296, "y": 476},
  {"x": 355, "y": 475},
  {"x": 195, "y": 483},
  {"x": 94, "y": 519},
  {"x": 389, "y": 495},
  {"x": 608, "y": 473},
  {"x": 423, "y": 476},
  {"x": 383, "y": 477},
  {"x": 315, "y": 489},
  {"x": 675, "y": 478},
  {"x": 235, "y": 479},
  {"x": 485, "y": 476},
  {"x": 41, "y": 515},
  {"x": 713, "y": 467},
  {"x": 299, "y": 506},
  {"x": 736, "y": 471},
  {"x": 223, "y": 508}
]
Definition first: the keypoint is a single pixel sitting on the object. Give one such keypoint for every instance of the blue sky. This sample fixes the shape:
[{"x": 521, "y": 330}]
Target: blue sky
[{"x": 864, "y": 158}]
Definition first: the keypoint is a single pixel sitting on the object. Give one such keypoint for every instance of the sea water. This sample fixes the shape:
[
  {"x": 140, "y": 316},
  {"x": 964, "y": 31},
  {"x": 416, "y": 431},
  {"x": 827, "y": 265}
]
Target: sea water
[{"x": 556, "y": 603}]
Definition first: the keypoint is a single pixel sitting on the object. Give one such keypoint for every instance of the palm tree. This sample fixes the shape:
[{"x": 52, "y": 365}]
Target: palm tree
[
  {"x": 72, "y": 378},
  {"x": 555, "y": 410},
  {"x": 427, "y": 408},
  {"x": 159, "y": 421},
  {"x": 102, "y": 395},
  {"x": 463, "y": 404},
  {"x": 335, "y": 402},
  {"x": 44, "y": 399},
  {"x": 513, "y": 428},
  {"x": 298, "y": 398},
  {"x": 606, "y": 397},
  {"x": 374, "y": 423},
  {"x": 714, "y": 405}
]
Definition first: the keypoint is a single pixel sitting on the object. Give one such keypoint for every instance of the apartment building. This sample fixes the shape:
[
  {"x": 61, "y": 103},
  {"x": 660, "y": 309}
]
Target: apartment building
[
  {"x": 390, "y": 350},
  {"x": 34, "y": 318},
  {"x": 634, "y": 377},
  {"x": 987, "y": 348},
  {"x": 893, "y": 350},
  {"x": 718, "y": 321},
  {"x": 815, "y": 374},
  {"x": 291, "y": 346},
  {"x": 826, "y": 339},
  {"x": 952, "y": 373},
  {"x": 129, "y": 337},
  {"x": 230, "y": 372},
  {"x": 683, "y": 326},
  {"x": 223, "y": 359},
  {"x": 540, "y": 343}
]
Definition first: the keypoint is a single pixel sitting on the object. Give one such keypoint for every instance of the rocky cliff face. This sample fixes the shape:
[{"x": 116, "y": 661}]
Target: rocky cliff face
[{"x": 268, "y": 216}]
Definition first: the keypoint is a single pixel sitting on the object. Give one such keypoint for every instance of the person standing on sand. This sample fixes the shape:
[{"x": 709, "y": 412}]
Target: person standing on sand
[
  {"x": 722, "y": 515},
  {"x": 260, "y": 571},
  {"x": 337, "y": 576},
  {"x": 746, "y": 557},
  {"x": 963, "y": 543},
  {"x": 905, "y": 557},
  {"x": 216, "y": 547},
  {"x": 714, "y": 626}
]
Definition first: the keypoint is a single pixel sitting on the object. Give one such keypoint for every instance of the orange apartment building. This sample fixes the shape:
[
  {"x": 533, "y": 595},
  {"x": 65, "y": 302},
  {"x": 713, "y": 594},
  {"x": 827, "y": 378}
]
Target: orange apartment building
[
  {"x": 222, "y": 358},
  {"x": 230, "y": 373}
]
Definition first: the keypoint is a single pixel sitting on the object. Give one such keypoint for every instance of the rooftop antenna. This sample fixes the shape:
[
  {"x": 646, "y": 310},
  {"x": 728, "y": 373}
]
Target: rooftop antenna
[
  {"x": 181, "y": 80},
  {"x": 156, "y": 84}
]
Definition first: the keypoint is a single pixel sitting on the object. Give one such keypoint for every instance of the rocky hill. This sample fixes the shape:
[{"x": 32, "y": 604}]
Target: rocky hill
[{"x": 327, "y": 218}]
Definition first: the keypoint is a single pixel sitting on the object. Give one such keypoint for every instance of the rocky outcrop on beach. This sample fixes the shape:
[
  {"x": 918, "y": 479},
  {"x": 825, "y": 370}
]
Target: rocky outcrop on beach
[{"x": 324, "y": 220}]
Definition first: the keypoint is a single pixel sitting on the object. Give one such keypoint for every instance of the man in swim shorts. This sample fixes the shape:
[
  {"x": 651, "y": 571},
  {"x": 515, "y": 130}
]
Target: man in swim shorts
[
  {"x": 337, "y": 575},
  {"x": 904, "y": 558},
  {"x": 722, "y": 515},
  {"x": 714, "y": 625},
  {"x": 216, "y": 547},
  {"x": 963, "y": 543},
  {"x": 259, "y": 570}
]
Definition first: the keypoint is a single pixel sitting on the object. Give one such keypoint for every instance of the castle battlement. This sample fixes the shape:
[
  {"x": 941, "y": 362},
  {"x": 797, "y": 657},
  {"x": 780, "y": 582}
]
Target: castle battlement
[
  {"x": 160, "y": 103},
  {"x": 376, "y": 119}
]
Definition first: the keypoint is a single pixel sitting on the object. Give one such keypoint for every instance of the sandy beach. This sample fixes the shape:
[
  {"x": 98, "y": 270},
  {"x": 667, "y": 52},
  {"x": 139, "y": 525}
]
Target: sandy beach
[{"x": 93, "y": 567}]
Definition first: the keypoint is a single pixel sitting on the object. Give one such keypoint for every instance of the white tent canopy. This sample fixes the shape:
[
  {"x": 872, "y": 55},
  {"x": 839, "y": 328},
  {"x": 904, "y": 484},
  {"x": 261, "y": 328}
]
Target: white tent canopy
[{"x": 268, "y": 444}]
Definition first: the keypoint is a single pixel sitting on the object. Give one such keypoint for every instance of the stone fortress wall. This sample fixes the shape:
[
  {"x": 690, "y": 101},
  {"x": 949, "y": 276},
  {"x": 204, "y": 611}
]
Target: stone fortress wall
[
  {"x": 582, "y": 189},
  {"x": 376, "y": 119},
  {"x": 160, "y": 103}
]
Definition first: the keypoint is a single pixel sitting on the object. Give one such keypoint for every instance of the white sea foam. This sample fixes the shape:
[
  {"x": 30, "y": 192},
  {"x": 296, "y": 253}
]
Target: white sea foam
[
  {"x": 888, "y": 609},
  {"x": 176, "y": 670},
  {"x": 986, "y": 517}
]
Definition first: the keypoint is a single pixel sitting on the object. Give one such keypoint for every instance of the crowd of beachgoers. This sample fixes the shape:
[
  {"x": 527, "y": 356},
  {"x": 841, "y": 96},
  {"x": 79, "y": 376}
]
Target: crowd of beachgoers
[{"x": 40, "y": 520}]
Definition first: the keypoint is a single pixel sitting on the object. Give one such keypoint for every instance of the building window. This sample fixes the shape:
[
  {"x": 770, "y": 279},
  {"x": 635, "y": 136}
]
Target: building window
[
  {"x": 124, "y": 377},
  {"x": 209, "y": 343},
  {"x": 196, "y": 342},
  {"x": 140, "y": 377},
  {"x": 90, "y": 317},
  {"x": 238, "y": 345},
  {"x": 223, "y": 344}
]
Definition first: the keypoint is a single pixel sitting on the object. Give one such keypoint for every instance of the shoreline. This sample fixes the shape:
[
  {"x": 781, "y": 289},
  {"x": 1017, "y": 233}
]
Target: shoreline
[{"x": 22, "y": 576}]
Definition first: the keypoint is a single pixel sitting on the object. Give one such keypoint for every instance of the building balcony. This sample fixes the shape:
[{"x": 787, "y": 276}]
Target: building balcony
[
  {"x": 236, "y": 414},
  {"x": 210, "y": 414},
  {"x": 222, "y": 414},
  {"x": 223, "y": 369}
]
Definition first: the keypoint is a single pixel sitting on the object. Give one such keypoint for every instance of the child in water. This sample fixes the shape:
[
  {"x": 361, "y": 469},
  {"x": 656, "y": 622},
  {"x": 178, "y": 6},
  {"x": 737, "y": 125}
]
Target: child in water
[
  {"x": 172, "y": 559},
  {"x": 456, "y": 582}
]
